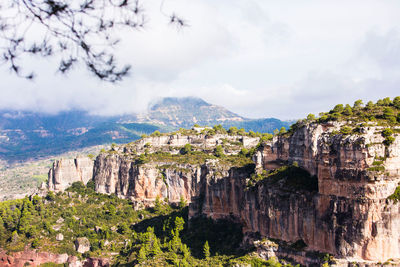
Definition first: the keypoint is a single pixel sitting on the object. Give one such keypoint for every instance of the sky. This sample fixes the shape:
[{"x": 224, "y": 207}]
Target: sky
[{"x": 258, "y": 58}]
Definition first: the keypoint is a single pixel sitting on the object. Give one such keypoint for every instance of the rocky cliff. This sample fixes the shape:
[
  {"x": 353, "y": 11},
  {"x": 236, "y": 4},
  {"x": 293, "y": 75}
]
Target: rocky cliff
[
  {"x": 66, "y": 171},
  {"x": 349, "y": 215},
  {"x": 166, "y": 173},
  {"x": 314, "y": 190}
]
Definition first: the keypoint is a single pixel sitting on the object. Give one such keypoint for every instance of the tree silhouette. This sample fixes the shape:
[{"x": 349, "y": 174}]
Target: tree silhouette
[{"x": 73, "y": 31}]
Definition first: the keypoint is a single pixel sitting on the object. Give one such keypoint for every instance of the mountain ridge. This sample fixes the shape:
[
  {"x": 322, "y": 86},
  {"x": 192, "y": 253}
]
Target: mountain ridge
[{"x": 30, "y": 135}]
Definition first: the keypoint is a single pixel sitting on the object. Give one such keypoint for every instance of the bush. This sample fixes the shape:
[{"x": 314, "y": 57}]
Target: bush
[
  {"x": 78, "y": 187},
  {"x": 396, "y": 102},
  {"x": 50, "y": 196},
  {"x": 91, "y": 185},
  {"x": 388, "y": 113},
  {"x": 233, "y": 131},
  {"x": 219, "y": 151},
  {"x": 389, "y": 140},
  {"x": 345, "y": 130},
  {"x": 142, "y": 159},
  {"x": 156, "y": 133},
  {"x": 337, "y": 109},
  {"x": 387, "y": 132},
  {"x": 310, "y": 117},
  {"x": 396, "y": 195},
  {"x": 187, "y": 149},
  {"x": 348, "y": 111}
]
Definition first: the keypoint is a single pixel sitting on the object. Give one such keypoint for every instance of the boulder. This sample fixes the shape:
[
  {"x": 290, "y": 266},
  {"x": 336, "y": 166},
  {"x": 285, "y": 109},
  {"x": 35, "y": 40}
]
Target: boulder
[
  {"x": 59, "y": 237},
  {"x": 82, "y": 244}
]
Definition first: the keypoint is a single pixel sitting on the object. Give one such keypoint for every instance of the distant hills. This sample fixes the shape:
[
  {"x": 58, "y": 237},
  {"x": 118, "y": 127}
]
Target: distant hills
[{"x": 29, "y": 135}]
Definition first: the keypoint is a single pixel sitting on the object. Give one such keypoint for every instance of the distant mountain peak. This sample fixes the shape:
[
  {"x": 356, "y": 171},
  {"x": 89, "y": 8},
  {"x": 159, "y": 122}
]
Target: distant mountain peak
[
  {"x": 186, "y": 111},
  {"x": 178, "y": 101}
]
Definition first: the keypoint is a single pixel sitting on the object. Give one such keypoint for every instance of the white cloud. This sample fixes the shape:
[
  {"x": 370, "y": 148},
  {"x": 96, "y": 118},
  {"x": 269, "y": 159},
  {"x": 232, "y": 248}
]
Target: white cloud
[{"x": 258, "y": 58}]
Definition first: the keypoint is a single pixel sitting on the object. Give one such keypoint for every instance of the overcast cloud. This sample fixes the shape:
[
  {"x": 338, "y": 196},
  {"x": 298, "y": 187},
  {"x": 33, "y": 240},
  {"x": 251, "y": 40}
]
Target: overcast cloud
[{"x": 257, "y": 58}]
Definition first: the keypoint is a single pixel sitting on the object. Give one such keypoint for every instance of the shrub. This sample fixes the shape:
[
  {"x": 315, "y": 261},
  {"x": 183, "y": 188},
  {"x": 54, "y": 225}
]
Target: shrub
[
  {"x": 142, "y": 159},
  {"x": 206, "y": 250},
  {"x": 388, "y": 113},
  {"x": 310, "y": 117},
  {"x": 348, "y": 111},
  {"x": 156, "y": 133},
  {"x": 370, "y": 105},
  {"x": 91, "y": 185},
  {"x": 387, "y": 132},
  {"x": 334, "y": 116},
  {"x": 219, "y": 129},
  {"x": 358, "y": 104},
  {"x": 389, "y": 140},
  {"x": 233, "y": 131},
  {"x": 345, "y": 130},
  {"x": 78, "y": 187},
  {"x": 396, "y": 102},
  {"x": 50, "y": 196},
  {"x": 337, "y": 109},
  {"x": 244, "y": 152},
  {"x": 187, "y": 149},
  {"x": 219, "y": 151},
  {"x": 396, "y": 195}
]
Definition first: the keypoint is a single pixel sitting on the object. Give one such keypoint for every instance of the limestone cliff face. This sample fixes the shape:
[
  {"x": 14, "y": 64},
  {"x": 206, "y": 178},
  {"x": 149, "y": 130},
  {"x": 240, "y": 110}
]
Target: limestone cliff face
[
  {"x": 349, "y": 216},
  {"x": 118, "y": 172},
  {"x": 66, "y": 171},
  {"x": 143, "y": 183},
  {"x": 347, "y": 213}
]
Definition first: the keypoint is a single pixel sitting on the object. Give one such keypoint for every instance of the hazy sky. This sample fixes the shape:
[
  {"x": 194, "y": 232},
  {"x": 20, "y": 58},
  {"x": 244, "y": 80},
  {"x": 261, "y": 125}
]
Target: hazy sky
[{"x": 261, "y": 58}]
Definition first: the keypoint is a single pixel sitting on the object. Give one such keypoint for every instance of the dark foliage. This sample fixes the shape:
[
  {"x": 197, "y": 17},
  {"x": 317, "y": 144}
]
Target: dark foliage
[{"x": 71, "y": 31}]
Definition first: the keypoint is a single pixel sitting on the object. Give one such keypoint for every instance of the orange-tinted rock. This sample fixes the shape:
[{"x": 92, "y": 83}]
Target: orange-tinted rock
[
  {"x": 349, "y": 216},
  {"x": 35, "y": 258}
]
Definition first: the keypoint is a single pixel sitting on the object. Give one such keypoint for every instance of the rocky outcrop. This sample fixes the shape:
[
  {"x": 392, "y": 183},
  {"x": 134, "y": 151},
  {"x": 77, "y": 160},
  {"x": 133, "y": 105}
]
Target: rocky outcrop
[
  {"x": 82, "y": 245},
  {"x": 349, "y": 216},
  {"x": 342, "y": 209},
  {"x": 35, "y": 258},
  {"x": 64, "y": 172},
  {"x": 118, "y": 172},
  {"x": 143, "y": 183}
]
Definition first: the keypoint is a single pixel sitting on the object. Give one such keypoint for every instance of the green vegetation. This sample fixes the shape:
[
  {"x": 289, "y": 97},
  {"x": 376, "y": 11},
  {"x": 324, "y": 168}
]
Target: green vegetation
[
  {"x": 216, "y": 129},
  {"x": 396, "y": 195},
  {"x": 157, "y": 236},
  {"x": 187, "y": 149},
  {"x": 384, "y": 112},
  {"x": 195, "y": 157},
  {"x": 389, "y": 139}
]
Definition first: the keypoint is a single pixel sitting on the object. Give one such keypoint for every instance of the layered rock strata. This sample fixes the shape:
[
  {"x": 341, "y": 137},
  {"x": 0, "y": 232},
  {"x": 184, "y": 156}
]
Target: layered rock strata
[
  {"x": 64, "y": 172},
  {"x": 349, "y": 216},
  {"x": 346, "y": 213},
  {"x": 118, "y": 172}
]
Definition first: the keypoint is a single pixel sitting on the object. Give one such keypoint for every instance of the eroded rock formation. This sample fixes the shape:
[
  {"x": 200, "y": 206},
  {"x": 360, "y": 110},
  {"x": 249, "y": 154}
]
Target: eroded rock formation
[
  {"x": 349, "y": 216},
  {"x": 117, "y": 172},
  {"x": 66, "y": 171},
  {"x": 342, "y": 210}
]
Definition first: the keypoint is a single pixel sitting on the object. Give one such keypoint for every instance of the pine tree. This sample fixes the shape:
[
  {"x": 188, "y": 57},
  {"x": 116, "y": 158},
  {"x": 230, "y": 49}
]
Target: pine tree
[
  {"x": 142, "y": 255},
  {"x": 206, "y": 250}
]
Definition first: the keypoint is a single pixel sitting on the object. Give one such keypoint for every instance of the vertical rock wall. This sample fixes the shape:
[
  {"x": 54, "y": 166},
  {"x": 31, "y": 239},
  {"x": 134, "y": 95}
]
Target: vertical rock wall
[
  {"x": 64, "y": 172},
  {"x": 349, "y": 216}
]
